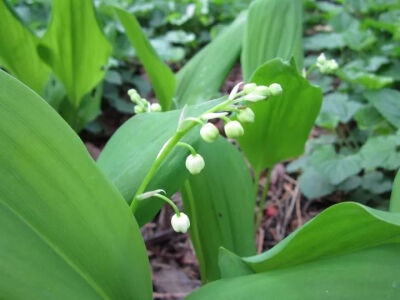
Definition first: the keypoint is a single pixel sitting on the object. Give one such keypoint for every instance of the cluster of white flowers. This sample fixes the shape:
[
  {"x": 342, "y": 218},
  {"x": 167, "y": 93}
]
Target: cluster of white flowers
[
  {"x": 142, "y": 105},
  {"x": 326, "y": 66},
  {"x": 240, "y": 113}
]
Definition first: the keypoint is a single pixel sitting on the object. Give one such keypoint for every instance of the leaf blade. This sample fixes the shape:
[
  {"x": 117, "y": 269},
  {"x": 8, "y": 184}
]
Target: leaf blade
[
  {"x": 282, "y": 124},
  {"x": 18, "y": 55},
  {"x": 75, "y": 47},
  {"x": 220, "y": 204},
  {"x": 66, "y": 232},
  {"x": 273, "y": 29},
  {"x": 161, "y": 76}
]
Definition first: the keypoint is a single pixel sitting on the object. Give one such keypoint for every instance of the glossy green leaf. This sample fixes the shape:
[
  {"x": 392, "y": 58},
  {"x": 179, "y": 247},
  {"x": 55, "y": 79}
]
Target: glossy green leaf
[
  {"x": 323, "y": 259},
  {"x": 328, "y": 235},
  {"x": 66, "y": 232},
  {"x": 130, "y": 152},
  {"x": 75, "y": 47},
  {"x": 160, "y": 75},
  {"x": 395, "y": 197},
  {"x": 387, "y": 102},
  {"x": 273, "y": 29},
  {"x": 370, "y": 274},
  {"x": 202, "y": 77},
  {"x": 18, "y": 50},
  {"x": 220, "y": 204},
  {"x": 282, "y": 123}
]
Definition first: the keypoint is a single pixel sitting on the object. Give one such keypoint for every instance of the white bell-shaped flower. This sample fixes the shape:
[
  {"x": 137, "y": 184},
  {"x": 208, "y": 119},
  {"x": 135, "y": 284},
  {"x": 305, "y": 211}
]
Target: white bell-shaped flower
[
  {"x": 195, "y": 163},
  {"x": 233, "y": 129},
  {"x": 180, "y": 223},
  {"x": 275, "y": 89},
  {"x": 246, "y": 115},
  {"x": 209, "y": 132},
  {"x": 155, "y": 107}
]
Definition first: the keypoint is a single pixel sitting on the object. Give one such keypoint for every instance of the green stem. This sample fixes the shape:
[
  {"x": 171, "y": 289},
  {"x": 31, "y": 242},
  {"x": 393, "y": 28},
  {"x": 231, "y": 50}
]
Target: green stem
[
  {"x": 187, "y": 146},
  {"x": 263, "y": 198},
  {"x": 171, "y": 143},
  {"x": 310, "y": 69},
  {"x": 169, "y": 201}
]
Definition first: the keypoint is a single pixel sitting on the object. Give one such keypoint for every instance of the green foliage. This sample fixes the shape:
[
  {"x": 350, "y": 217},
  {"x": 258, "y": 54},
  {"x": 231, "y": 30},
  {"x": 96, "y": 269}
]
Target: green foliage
[
  {"x": 395, "y": 198},
  {"x": 325, "y": 253},
  {"x": 18, "y": 54},
  {"x": 66, "y": 231},
  {"x": 130, "y": 152},
  {"x": 202, "y": 77},
  {"x": 360, "y": 107},
  {"x": 75, "y": 47},
  {"x": 280, "y": 36},
  {"x": 283, "y": 123},
  {"x": 160, "y": 75},
  {"x": 220, "y": 202}
]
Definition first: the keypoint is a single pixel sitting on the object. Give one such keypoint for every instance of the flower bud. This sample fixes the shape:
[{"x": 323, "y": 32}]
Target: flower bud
[
  {"x": 332, "y": 65},
  {"x": 253, "y": 97},
  {"x": 180, "y": 223},
  {"x": 155, "y": 107},
  {"x": 209, "y": 132},
  {"x": 321, "y": 59},
  {"x": 249, "y": 87},
  {"x": 135, "y": 97},
  {"x": 246, "y": 115},
  {"x": 275, "y": 89},
  {"x": 261, "y": 90},
  {"x": 233, "y": 129},
  {"x": 195, "y": 163},
  {"x": 139, "y": 109},
  {"x": 132, "y": 92}
]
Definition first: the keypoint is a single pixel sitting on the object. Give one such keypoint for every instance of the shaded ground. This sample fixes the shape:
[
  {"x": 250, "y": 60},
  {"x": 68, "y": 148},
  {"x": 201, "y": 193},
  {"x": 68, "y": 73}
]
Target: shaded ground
[{"x": 173, "y": 261}]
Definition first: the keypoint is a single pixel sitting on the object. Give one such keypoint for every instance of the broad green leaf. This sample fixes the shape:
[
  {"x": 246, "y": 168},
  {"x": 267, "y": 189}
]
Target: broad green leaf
[
  {"x": 273, "y": 29},
  {"x": 363, "y": 78},
  {"x": 130, "y": 152},
  {"x": 371, "y": 274},
  {"x": 66, "y": 232},
  {"x": 387, "y": 102},
  {"x": 18, "y": 53},
  {"x": 336, "y": 108},
  {"x": 376, "y": 183},
  {"x": 395, "y": 197},
  {"x": 202, "y": 77},
  {"x": 358, "y": 39},
  {"x": 220, "y": 204},
  {"x": 314, "y": 185},
  {"x": 89, "y": 109},
  {"x": 380, "y": 151},
  {"x": 75, "y": 48},
  {"x": 368, "y": 118},
  {"x": 337, "y": 262},
  {"x": 282, "y": 123},
  {"x": 160, "y": 75},
  {"x": 335, "y": 167},
  {"x": 328, "y": 235}
]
